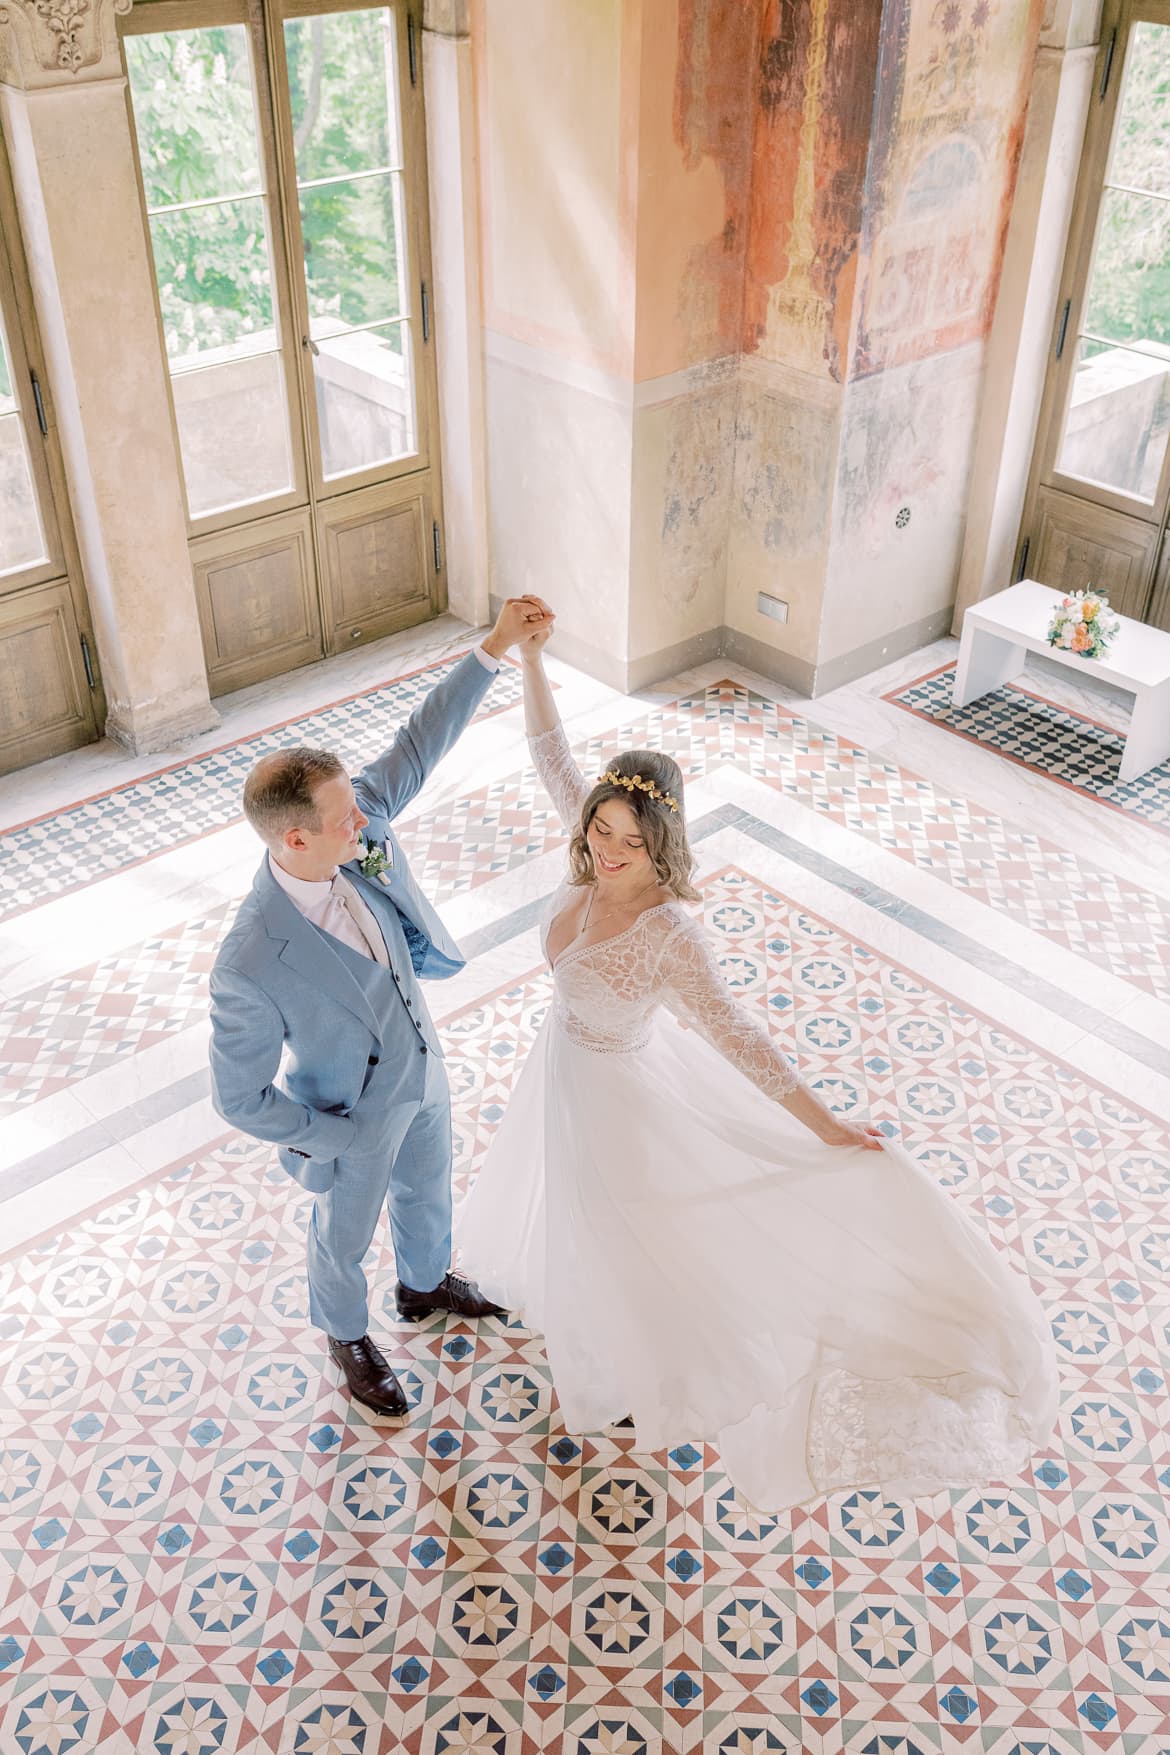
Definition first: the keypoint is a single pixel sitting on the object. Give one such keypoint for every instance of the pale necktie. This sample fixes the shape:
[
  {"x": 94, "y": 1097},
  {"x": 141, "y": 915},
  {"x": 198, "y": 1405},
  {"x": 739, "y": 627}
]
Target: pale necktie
[{"x": 342, "y": 891}]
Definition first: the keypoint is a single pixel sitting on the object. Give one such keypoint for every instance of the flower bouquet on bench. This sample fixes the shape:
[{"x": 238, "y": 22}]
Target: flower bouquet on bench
[{"x": 1083, "y": 623}]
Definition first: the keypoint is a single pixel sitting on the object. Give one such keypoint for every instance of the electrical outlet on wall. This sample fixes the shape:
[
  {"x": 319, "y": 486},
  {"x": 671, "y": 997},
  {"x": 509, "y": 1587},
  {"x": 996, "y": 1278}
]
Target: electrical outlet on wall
[{"x": 774, "y": 608}]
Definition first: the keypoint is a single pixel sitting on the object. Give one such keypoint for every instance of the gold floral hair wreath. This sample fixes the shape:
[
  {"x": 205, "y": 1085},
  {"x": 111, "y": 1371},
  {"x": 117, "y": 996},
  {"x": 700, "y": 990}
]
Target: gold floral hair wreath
[{"x": 635, "y": 783}]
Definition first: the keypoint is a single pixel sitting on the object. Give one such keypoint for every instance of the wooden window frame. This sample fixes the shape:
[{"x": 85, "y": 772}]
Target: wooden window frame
[
  {"x": 1117, "y": 23},
  {"x": 264, "y": 21}
]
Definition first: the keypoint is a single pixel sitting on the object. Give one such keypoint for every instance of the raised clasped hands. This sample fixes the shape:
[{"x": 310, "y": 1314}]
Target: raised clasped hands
[{"x": 520, "y": 621}]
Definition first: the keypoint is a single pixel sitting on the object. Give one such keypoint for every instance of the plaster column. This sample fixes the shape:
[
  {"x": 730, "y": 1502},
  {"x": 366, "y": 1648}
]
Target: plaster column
[
  {"x": 453, "y": 178},
  {"x": 614, "y": 153},
  {"x": 1019, "y": 347},
  {"x": 64, "y": 113}
]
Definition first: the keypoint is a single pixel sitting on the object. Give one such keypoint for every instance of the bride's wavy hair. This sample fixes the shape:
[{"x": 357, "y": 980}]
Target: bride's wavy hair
[{"x": 663, "y": 830}]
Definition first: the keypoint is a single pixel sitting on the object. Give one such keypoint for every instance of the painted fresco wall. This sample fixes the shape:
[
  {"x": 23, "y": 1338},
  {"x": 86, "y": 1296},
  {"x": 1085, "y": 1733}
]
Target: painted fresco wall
[
  {"x": 953, "y": 85},
  {"x": 740, "y": 260},
  {"x": 885, "y": 154}
]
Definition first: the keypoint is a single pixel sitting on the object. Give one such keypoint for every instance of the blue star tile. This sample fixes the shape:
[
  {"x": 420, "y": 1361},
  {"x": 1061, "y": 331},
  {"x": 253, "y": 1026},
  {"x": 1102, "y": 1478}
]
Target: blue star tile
[
  {"x": 684, "y": 1690},
  {"x": 546, "y": 1682},
  {"x": 959, "y": 1704},
  {"x": 139, "y": 1661},
  {"x": 274, "y": 1668},
  {"x": 820, "y": 1697},
  {"x": 410, "y": 1675},
  {"x": 1098, "y": 1712},
  {"x": 684, "y": 1565}
]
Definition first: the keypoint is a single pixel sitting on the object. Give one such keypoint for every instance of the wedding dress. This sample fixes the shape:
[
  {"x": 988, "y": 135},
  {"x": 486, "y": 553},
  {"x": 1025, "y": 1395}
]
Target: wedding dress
[{"x": 697, "y": 1259}]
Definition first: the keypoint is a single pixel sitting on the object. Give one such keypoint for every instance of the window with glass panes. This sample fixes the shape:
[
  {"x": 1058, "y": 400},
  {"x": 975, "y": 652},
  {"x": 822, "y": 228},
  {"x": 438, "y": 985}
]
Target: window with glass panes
[
  {"x": 281, "y": 152},
  {"x": 1098, "y": 498}
]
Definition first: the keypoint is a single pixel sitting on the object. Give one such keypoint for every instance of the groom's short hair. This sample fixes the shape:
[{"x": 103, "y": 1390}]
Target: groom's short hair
[{"x": 278, "y": 793}]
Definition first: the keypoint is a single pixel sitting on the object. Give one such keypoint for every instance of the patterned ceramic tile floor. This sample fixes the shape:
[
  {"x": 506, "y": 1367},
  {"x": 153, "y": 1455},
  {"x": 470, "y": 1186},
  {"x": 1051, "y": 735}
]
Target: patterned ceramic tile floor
[
  {"x": 204, "y": 1552},
  {"x": 1025, "y": 726}
]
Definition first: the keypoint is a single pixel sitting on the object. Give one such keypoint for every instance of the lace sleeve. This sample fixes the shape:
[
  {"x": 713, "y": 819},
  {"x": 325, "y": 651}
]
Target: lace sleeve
[
  {"x": 695, "y": 991},
  {"x": 562, "y": 778}
]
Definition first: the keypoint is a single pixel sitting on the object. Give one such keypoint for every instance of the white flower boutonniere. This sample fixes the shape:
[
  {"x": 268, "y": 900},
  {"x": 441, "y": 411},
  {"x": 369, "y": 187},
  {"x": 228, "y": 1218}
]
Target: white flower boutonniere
[{"x": 375, "y": 861}]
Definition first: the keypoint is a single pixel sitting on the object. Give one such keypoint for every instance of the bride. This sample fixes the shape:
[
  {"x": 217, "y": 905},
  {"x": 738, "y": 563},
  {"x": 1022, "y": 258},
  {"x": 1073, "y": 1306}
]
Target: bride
[{"x": 706, "y": 1248}]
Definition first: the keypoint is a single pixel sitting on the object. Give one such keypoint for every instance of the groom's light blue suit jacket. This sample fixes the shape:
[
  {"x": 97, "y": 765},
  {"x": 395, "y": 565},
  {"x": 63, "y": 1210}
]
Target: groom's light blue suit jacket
[{"x": 350, "y": 1034}]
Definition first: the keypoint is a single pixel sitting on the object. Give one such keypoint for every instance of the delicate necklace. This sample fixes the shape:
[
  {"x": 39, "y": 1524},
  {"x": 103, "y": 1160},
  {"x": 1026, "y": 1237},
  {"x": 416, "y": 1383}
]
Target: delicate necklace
[{"x": 609, "y": 914}]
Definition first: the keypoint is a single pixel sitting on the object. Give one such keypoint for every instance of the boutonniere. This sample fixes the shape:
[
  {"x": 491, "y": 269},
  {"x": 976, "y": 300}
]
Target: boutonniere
[{"x": 375, "y": 860}]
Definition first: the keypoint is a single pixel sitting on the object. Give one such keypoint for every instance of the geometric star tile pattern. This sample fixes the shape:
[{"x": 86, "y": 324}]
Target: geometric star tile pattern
[
  {"x": 207, "y": 1551},
  {"x": 68, "y": 1029},
  {"x": 62, "y": 1032},
  {"x": 119, "y": 828},
  {"x": 1038, "y": 733}
]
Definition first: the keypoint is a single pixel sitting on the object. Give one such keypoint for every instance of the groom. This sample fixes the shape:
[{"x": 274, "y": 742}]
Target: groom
[{"x": 321, "y": 970}]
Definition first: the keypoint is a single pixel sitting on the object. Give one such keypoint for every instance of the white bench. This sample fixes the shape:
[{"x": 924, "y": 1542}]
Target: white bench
[{"x": 999, "y": 633}]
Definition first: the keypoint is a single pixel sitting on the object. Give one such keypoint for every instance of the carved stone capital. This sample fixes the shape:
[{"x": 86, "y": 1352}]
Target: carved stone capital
[{"x": 58, "y": 42}]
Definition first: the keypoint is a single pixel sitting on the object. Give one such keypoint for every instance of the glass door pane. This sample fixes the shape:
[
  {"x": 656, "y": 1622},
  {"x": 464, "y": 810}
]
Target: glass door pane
[
  {"x": 1117, "y": 422},
  {"x": 203, "y": 172},
  {"x": 22, "y": 533},
  {"x": 347, "y": 145}
]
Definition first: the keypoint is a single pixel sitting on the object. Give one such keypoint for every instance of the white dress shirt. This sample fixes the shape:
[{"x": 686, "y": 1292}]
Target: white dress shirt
[{"x": 320, "y": 903}]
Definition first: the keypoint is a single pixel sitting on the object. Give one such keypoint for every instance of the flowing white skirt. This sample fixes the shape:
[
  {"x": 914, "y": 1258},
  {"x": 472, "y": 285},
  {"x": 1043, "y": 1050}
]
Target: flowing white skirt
[{"x": 698, "y": 1260}]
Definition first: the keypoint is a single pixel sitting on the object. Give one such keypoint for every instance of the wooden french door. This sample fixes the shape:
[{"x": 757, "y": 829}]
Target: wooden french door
[
  {"x": 50, "y": 692},
  {"x": 1099, "y": 492},
  {"x": 282, "y": 157}
]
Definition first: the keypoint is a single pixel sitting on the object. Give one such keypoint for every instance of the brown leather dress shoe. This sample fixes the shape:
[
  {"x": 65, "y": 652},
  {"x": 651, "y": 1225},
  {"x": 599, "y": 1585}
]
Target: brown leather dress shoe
[
  {"x": 453, "y": 1293},
  {"x": 370, "y": 1379}
]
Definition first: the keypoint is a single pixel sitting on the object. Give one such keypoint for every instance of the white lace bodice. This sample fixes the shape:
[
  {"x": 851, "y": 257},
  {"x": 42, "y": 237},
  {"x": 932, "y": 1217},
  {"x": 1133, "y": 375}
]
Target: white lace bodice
[{"x": 605, "y": 995}]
